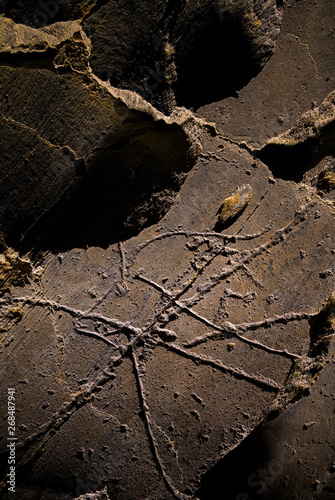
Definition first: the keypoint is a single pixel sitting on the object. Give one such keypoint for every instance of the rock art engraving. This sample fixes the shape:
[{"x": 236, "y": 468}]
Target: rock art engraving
[
  {"x": 167, "y": 250},
  {"x": 140, "y": 342}
]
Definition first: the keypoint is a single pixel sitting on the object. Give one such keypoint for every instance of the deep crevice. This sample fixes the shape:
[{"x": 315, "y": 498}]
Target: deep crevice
[
  {"x": 197, "y": 56},
  {"x": 291, "y": 162},
  {"x": 32, "y": 60},
  {"x": 215, "y": 64}
]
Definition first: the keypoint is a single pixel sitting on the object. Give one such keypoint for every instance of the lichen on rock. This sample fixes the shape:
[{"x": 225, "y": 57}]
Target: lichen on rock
[{"x": 14, "y": 269}]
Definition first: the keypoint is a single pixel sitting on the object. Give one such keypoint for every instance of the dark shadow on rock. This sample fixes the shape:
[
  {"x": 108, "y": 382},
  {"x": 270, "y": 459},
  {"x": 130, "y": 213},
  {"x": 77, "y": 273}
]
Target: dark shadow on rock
[
  {"x": 241, "y": 475},
  {"x": 126, "y": 181},
  {"x": 121, "y": 188},
  {"x": 254, "y": 470},
  {"x": 291, "y": 162},
  {"x": 215, "y": 64},
  {"x": 37, "y": 14},
  {"x": 185, "y": 53}
]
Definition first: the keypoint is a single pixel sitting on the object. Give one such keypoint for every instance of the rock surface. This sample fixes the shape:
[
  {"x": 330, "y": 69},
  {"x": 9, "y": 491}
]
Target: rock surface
[{"x": 167, "y": 264}]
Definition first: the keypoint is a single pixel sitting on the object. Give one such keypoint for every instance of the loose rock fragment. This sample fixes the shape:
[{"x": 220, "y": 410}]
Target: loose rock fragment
[{"x": 235, "y": 204}]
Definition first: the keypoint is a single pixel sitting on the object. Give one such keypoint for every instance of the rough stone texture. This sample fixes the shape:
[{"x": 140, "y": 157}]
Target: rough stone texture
[
  {"x": 300, "y": 75},
  {"x": 174, "y": 49},
  {"x": 293, "y": 454},
  {"x": 167, "y": 275},
  {"x": 99, "y": 495},
  {"x": 91, "y": 128}
]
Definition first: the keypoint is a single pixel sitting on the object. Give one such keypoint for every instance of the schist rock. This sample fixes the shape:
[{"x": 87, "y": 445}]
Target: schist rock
[{"x": 167, "y": 249}]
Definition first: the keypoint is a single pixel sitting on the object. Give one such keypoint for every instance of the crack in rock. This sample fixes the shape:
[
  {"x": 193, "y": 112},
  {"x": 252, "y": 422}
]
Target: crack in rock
[{"x": 302, "y": 147}]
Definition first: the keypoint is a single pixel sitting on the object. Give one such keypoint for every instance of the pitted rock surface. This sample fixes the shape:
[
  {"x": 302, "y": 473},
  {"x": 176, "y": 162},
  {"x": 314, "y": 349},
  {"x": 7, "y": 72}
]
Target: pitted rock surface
[{"x": 167, "y": 255}]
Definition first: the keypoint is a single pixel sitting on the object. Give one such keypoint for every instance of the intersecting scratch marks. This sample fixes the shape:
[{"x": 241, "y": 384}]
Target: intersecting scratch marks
[
  {"x": 77, "y": 313},
  {"x": 244, "y": 258},
  {"x": 182, "y": 232},
  {"x": 229, "y": 328},
  {"x": 244, "y": 327},
  {"x": 259, "y": 380},
  {"x": 34, "y": 444},
  {"x": 122, "y": 339}
]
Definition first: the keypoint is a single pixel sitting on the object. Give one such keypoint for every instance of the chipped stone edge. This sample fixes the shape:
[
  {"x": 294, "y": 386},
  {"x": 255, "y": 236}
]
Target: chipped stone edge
[
  {"x": 18, "y": 38},
  {"x": 309, "y": 125},
  {"x": 306, "y": 370},
  {"x": 21, "y": 39}
]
